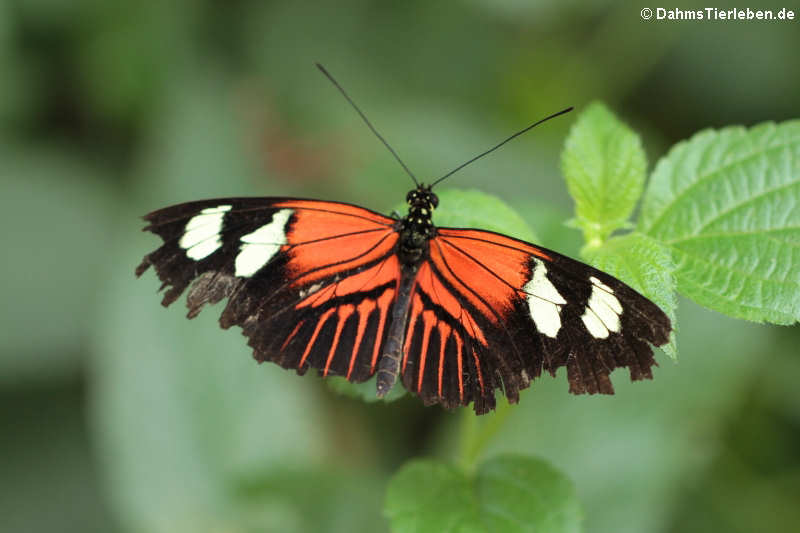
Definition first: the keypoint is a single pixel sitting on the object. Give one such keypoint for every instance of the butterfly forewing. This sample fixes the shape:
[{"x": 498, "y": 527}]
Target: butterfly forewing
[{"x": 310, "y": 283}]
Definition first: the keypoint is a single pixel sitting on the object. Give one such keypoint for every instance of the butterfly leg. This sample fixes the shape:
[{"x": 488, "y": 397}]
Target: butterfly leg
[{"x": 389, "y": 363}]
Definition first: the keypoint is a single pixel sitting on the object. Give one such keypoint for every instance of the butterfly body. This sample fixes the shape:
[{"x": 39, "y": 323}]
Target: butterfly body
[
  {"x": 415, "y": 231},
  {"x": 454, "y": 313}
]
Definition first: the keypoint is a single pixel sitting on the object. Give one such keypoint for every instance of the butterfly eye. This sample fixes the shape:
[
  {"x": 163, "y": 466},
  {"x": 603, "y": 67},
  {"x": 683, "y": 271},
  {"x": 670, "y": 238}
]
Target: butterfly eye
[
  {"x": 434, "y": 201},
  {"x": 410, "y": 196}
]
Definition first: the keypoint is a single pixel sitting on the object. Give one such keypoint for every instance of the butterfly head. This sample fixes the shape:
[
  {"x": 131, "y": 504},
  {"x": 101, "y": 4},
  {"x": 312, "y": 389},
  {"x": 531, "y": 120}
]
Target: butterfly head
[{"x": 422, "y": 198}]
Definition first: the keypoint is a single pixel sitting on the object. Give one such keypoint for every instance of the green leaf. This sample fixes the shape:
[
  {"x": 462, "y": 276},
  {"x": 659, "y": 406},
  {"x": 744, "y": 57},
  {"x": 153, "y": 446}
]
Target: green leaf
[
  {"x": 460, "y": 209},
  {"x": 727, "y": 202},
  {"x": 644, "y": 264},
  {"x": 604, "y": 165},
  {"x": 507, "y": 493}
]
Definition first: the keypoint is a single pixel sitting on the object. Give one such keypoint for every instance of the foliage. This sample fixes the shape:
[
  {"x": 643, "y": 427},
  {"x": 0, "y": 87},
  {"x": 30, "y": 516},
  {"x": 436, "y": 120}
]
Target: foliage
[
  {"x": 506, "y": 493},
  {"x": 604, "y": 165},
  {"x": 727, "y": 204}
]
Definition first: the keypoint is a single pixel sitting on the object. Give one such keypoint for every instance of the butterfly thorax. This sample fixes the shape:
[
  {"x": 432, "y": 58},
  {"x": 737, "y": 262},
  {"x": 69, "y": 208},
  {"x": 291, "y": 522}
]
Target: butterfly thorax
[{"x": 416, "y": 228}]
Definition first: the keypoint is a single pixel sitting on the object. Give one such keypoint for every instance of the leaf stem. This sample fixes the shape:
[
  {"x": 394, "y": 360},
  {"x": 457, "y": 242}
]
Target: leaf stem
[{"x": 476, "y": 433}]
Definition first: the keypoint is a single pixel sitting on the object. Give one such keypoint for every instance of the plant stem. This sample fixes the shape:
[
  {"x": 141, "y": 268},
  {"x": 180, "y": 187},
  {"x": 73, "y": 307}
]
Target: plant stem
[{"x": 476, "y": 433}]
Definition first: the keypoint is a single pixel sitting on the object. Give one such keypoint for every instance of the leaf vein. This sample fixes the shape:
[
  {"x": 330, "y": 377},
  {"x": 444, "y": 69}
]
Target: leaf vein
[
  {"x": 733, "y": 208},
  {"x": 705, "y": 177},
  {"x": 757, "y": 233},
  {"x": 735, "y": 270}
]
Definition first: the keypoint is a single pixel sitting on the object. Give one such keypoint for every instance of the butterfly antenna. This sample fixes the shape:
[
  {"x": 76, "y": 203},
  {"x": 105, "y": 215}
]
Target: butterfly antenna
[
  {"x": 492, "y": 149},
  {"x": 366, "y": 121}
]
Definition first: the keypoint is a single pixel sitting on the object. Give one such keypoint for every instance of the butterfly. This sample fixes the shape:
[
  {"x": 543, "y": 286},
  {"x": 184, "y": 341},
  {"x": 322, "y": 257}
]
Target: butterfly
[{"x": 454, "y": 313}]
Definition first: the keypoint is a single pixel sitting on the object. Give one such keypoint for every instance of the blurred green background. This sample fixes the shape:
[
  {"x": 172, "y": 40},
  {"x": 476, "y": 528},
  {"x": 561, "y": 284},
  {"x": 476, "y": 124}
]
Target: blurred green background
[{"x": 119, "y": 415}]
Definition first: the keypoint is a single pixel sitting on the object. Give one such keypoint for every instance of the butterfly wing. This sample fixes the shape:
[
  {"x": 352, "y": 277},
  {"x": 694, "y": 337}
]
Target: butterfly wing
[
  {"x": 311, "y": 283},
  {"x": 493, "y": 312}
]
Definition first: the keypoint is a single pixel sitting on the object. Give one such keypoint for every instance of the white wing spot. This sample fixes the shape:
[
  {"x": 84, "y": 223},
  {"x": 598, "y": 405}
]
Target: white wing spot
[
  {"x": 260, "y": 246},
  {"x": 202, "y": 233},
  {"x": 596, "y": 282},
  {"x": 593, "y": 324},
  {"x": 602, "y": 311},
  {"x": 544, "y": 301}
]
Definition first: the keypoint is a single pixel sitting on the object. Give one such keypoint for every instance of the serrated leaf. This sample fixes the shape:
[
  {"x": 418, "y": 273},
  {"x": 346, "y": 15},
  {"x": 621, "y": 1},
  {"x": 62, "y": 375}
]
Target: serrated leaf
[
  {"x": 459, "y": 209},
  {"x": 507, "y": 493},
  {"x": 644, "y": 264},
  {"x": 727, "y": 203},
  {"x": 604, "y": 165}
]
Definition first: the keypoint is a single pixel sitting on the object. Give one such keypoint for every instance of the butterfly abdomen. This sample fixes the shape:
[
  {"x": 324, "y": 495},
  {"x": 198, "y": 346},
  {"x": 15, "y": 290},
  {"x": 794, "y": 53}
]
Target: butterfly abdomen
[{"x": 389, "y": 364}]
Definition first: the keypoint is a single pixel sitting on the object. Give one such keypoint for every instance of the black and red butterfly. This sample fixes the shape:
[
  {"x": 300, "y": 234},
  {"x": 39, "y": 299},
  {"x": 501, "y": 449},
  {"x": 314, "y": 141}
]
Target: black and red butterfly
[{"x": 454, "y": 313}]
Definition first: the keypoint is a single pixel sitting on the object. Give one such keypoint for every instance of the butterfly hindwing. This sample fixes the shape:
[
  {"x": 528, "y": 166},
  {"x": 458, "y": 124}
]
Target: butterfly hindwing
[
  {"x": 450, "y": 355},
  {"x": 311, "y": 283}
]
